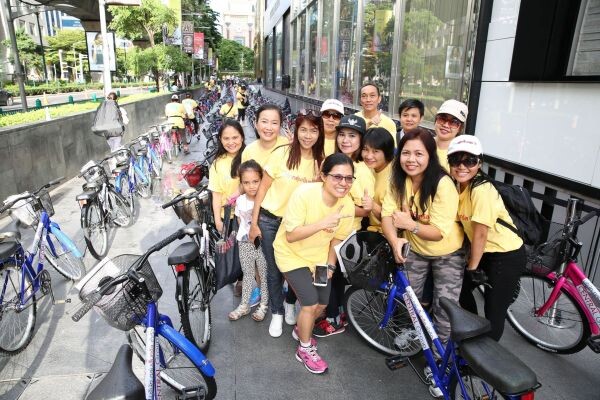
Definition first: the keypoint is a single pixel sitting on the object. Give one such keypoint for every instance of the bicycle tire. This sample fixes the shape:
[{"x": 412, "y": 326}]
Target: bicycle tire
[
  {"x": 545, "y": 332},
  {"x": 61, "y": 257},
  {"x": 195, "y": 311},
  {"x": 188, "y": 134},
  {"x": 119, "y": 209},
  {"x": 127, "y": 194},
  {"x": 175, "y": 147},
  {"x": 366, "y": 310},
  {"x": 477, "y": 388},
  {"x": 156, "y": 163},
  {"x": 94, "y": 230},
  {"x": 178, "y": 372},
  {"x": 16, "y": 327},
  {"x": 143, "y": 184}
]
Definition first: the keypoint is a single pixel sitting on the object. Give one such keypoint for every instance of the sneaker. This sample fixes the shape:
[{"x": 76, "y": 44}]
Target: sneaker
[
  {"x": 325, "y": 328},
  {"x": 313, "y": 341},
  {"x": 311, "y": 359},
  {"x": 255, "y": 297},
  {"x": 344, "y": 319},
  {"x": 434, "y": 391},
  {"x": 276, "y": 326},
  {"x": 290, "y": 313}
]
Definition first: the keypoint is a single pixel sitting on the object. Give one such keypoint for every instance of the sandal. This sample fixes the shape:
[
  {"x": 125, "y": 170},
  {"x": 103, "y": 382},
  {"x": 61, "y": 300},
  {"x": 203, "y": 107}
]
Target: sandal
[
  {"x": 239, "y": 312},
  {"x": 260, "y": 313}
]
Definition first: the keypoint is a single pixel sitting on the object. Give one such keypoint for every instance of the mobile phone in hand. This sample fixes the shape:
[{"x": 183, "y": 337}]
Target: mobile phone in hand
[
  {"x": 320, "y": 278},
  {"x": 257, "y": 242},
  {"x": 405, "y": 250}
]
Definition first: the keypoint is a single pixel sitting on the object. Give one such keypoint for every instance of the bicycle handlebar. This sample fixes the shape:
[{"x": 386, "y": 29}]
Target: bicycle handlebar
[
  {"x": 28, "y": 195},
  {"x": 584, "y": 219},
  {"x": 184, "y": 196}
]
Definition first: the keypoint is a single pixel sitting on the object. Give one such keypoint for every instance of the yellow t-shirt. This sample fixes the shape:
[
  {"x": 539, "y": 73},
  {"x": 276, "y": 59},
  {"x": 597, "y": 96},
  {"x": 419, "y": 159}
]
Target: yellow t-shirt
[
  {"x": 364, "y": 180},
  {"x": 285, "y": 181},
  {"x": 254, "y": 151},
  {"x": 382, "y": 182},
  {"x": 239, "y": 96},
  {"x": 220, "y": 180},
  {"x": 228, "y": 111},
  {"x": 175, "y": 113},
  {"x": 484, "y": 205},
  {"x": 307, "y": 207},
  {"x": 189, "y": 105},
  {"x": 329, "y": 147},
  {"x": 440, "y": 213},
  {"x": 443, "y": 156},
  {"x": 385, "y": 122}
]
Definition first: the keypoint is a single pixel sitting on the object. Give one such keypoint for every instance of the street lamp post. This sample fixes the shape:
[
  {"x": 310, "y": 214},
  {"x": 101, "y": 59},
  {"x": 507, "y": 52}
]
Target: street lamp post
[
  {"x": 105, "y": 50},
  {"x": 15, "y": 51},
  {"x": 37, "y": 16}
]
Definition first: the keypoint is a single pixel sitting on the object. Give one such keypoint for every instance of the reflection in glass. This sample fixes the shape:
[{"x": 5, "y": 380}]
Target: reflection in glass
[
  {"x": 327, "y": 49},
  {"x": 278, "y": 54},
  {"x": 269, "y": 65},
  {"x": 303, "y": 51},
  {"x": 294, "y": 55},
  {"x": 346, "y": 52},
  {"x": 312, "y": 53}
]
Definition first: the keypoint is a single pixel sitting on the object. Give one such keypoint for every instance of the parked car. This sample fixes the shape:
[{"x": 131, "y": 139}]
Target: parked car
[{"x": 6, "y": 98}]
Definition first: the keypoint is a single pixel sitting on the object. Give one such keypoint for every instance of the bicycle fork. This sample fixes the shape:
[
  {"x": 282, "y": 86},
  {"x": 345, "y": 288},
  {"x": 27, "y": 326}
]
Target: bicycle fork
[{"x": 152, "y": 366}]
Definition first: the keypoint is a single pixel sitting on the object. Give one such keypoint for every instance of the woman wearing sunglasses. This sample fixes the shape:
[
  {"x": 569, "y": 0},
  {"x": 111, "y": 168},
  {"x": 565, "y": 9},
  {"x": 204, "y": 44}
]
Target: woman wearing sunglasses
[
  {"x": 449, "y": 123},
  {"x": 318, "y": 217},
  {"x": 423, "y": 202},
  {"x": 497, "y": 253},
  {"x": 286, "y": 168},
  {"x": 332, "y": 112}
]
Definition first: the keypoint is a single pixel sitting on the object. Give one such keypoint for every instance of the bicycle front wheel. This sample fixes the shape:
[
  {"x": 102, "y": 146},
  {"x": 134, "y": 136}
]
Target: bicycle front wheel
[
  {"x": 177, "y": 370},
  {"x": 366, "y": 310},
  {"x": 60, "y": 256},
  {"x": 119, "y": 208},
  {"x": 16, "y": 320},
  {"x": 562, "y": 329},
  {"x": 127, "y": 194},
  {"x": 94, "y": 229},
  {"x": 195, "y": 314}
]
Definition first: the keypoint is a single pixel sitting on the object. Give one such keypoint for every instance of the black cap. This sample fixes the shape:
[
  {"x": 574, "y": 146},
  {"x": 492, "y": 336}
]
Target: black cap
[{"x": 353, "y": 121}]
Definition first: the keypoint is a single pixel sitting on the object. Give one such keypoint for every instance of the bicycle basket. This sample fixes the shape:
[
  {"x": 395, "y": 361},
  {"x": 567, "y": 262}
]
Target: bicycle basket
[
  {"x": 545, "y": 258},
  {"x": 124, "y": 307},
  {"x": 28, "y": 211},
  {"x": 193, "y": 173},
  {"x": 188, "y": 210},
  {"x": 94, "y": 174},
  {"x": 121, "y": 157},
  {"x": 368, "y": 260}
]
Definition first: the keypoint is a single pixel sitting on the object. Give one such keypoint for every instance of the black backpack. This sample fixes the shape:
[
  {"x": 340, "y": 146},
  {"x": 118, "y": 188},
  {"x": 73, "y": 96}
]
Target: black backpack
[
  {"x": 530, "y": 224},
  {"x": 245, "y": 101},
  {"x": 108, "y": 121}
]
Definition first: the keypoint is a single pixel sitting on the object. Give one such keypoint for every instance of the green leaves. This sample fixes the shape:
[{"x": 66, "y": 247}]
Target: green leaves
[
  {"x": 143, "y": 22},
  {"x": 231, "y": 54}
]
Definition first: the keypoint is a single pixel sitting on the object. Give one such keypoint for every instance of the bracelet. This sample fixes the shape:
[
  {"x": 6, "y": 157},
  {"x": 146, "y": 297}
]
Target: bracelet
[
  {"x": 415, "y": 230},
  {"x": 331, "y": 267}
]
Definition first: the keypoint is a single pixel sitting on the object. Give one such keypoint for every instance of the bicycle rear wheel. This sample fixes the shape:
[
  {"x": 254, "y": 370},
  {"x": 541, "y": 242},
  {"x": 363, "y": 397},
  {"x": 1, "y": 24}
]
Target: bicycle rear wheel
[
  {"x": 94, "y": 229},
  {"x": 475, "y": 386},
  {"x": 366, "y": 310},
  {"x": 143, "y": 182},
  {"x": 119, "y": 208},
  {"x": 127, "y": 195},
  {"x": 16, "y": 321},
  {"x": 188, "y": 134},
  {"x": 562, "y": 329},
  {"x": 195, "y": 313},
  {"x": 59, "y": 253},
  {"x": 177, "y": 370}
]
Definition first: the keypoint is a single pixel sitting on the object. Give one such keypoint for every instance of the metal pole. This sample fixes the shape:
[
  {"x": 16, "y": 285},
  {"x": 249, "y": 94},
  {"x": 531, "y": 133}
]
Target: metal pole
[
  {"x": 13, "y": 42},
  {"x": 37, "y": 15},
  {"x": 105, "y": 50}
]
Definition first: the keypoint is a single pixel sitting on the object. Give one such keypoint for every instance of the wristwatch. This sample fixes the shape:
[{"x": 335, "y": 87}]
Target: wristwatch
[
  {"x": 415, "y": 230},
  {"x": 331, "y": 267}
]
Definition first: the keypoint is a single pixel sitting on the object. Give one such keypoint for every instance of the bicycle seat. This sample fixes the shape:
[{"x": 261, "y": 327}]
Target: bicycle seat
[
  {"x": 8, "y": 248},
  {"x": 184, "y": 253},
  {"x": 463, "y": 324},
  {"x": 11, "y": 231},
  {"x": 87, "y": 195},
  {"x": 497, "y": 366},
  {"x": 120, "y": 382}
]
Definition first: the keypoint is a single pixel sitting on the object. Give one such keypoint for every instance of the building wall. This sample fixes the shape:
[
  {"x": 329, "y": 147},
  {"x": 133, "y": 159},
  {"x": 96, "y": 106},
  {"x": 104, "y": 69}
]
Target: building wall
[{"x": 238, "y": 21}]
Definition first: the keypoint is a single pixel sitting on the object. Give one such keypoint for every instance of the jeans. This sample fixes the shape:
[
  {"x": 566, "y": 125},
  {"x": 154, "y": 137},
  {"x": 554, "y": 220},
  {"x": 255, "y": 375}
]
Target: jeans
[{"x": 268, "y": 227}]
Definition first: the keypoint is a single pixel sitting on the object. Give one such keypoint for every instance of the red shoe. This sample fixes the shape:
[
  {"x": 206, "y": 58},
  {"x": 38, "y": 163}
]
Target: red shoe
[{"x": 324, "y": 328}]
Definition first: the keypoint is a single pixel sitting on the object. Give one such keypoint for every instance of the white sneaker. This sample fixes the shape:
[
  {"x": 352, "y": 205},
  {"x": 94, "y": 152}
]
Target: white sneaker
[
  {"x": 276, "y": 326},
  {"x": 290, "y": 313},
  {"x": 434, "y": 391}
]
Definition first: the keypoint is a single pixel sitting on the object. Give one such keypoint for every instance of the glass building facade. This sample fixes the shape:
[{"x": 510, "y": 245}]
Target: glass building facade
[{"x": 410, "y": 48}]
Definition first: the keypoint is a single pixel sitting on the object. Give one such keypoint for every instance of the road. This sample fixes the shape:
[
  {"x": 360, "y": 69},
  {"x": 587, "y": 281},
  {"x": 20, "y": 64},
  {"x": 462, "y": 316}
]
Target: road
[{"x": 65, "y": 358}]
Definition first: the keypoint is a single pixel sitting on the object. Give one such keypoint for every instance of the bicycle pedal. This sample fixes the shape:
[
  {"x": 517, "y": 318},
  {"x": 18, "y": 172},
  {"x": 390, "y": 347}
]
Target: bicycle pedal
[
  {"x": 396, "y": 362},
  {"x": 194, "y": 393},
  {"x": 594, "y": 343}
]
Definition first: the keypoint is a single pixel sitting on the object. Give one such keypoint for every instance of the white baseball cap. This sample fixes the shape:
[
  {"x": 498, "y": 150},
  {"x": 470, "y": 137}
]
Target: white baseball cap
[
  {"x": 465, "y": 143},
  {"x": 333, "y": 104},
  {"x": 455, "y": 108}
]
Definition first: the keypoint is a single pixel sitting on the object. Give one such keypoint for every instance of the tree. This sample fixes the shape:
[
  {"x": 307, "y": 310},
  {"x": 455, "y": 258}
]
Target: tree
[
  {"x": 142, "y": 22},
  {"x": 206, "y": 22},
  {"x": 29, "y": 51},
  {"x": 71, "y": 42},
  {"x": 230, "y": 56},
  {"x": 159, "y": 60}
]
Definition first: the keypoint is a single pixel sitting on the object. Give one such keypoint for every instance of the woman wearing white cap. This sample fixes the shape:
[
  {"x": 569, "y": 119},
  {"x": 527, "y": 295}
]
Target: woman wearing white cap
[
  {"x": 497, "y": 253},
  {"x": 332, "y": 112},
  {"x": 449, "y": 123}
]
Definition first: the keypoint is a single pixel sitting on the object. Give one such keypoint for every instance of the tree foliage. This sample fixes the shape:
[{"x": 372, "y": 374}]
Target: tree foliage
[
  {"x": 71, "y": 42},
  {"x": 230, "y": 56},
  {"x": 143, "y": 22},
  {"x": 160, "y": 60},
  {"x": 29, "y": 51},
  {"x": 206, "y": 22}
]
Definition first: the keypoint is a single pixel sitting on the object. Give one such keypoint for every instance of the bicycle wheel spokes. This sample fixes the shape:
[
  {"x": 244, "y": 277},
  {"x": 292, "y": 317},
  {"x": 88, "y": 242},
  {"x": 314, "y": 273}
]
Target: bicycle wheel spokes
[
  {"x": 17, "y": 321},
  {"x": 119, "y": 208},
  {"x": 61, "y": 257},
  {"x": 196, "y": 318},
  {"x": 95, "y": 232}
]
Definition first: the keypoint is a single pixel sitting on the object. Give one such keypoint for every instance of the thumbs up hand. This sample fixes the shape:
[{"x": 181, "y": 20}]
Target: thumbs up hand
[{"x": 367, "y": 201}]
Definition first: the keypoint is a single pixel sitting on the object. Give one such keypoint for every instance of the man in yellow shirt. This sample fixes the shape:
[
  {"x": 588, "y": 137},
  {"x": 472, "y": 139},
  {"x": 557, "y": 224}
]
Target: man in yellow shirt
[
  {"x": 190, "y": 106},
  {"x": 175, "y": 113},
  {"x": 229, "y": 110},
  {"x": 370, "y": 98}
]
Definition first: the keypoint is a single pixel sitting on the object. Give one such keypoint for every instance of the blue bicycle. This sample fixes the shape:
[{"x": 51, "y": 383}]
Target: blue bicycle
[
  {"x": 22, "y": 272},
  {"x": 385, "y": 311},
  {"x": 124, "y": 290}
]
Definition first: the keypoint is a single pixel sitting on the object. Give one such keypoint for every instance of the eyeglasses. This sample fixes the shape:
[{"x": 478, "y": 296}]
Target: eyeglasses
[
  {"x": 338, "y": 178},
  {"x": 304, "y": 112},
  {"x": 332, "y": 114},
  {"x": 455, "y": 160},
  {"x": 448, "y": 119}
]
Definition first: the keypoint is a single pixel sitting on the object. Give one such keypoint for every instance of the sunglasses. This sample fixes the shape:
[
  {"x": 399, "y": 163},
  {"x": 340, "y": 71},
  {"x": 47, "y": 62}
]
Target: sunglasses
[
  {"x": 304, "y": 112},
  {"x": 458, "y": 159},
  {"x": 331, "y": 114},
  {"x": 338, "y": 178},
  {"x": 448, "y": 119}
]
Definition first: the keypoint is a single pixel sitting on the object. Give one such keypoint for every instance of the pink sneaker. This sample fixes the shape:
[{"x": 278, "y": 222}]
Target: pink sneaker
[
  {"x": 311, "y": 360},
  {"x": 313, "y": 341}
]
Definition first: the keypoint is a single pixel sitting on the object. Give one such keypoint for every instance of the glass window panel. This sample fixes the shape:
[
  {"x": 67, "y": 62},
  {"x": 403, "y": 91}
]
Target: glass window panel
[
  {"x": 433, "y": 53},
  {"x": 269, "y": 66},
  {"x": 346, "y": 52},
  {"x": 376, "y": 49},
  {"x": 312, "y": 53},
  {"x": 278, "y": 54},
  {"x": 303, "y": 52},
  {"x": 294, "y": 57},
  {"x": 327, "y": 50}
]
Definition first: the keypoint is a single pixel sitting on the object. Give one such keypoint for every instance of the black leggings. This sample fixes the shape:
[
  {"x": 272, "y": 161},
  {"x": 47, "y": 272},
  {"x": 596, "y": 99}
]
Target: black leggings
[
  {"x": 241, "y": 114},
  {"x": 503, "y": 271},
  {"x": 336, "y": 296}
]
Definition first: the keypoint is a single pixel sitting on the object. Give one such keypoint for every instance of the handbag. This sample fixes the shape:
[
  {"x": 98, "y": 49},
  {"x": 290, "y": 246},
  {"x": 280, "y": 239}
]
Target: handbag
[{"x": 227, "y": 259}]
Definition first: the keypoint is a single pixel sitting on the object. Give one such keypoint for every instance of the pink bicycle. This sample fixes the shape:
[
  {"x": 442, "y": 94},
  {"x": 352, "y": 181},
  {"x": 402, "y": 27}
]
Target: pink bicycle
[
  {"x": 558, "y": 307},
  {"x": 161, "y": 141}
]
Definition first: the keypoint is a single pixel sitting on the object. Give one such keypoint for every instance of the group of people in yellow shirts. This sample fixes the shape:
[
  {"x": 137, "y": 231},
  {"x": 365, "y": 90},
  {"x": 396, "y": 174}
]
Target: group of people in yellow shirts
[{"x": 299, "y": 198}]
